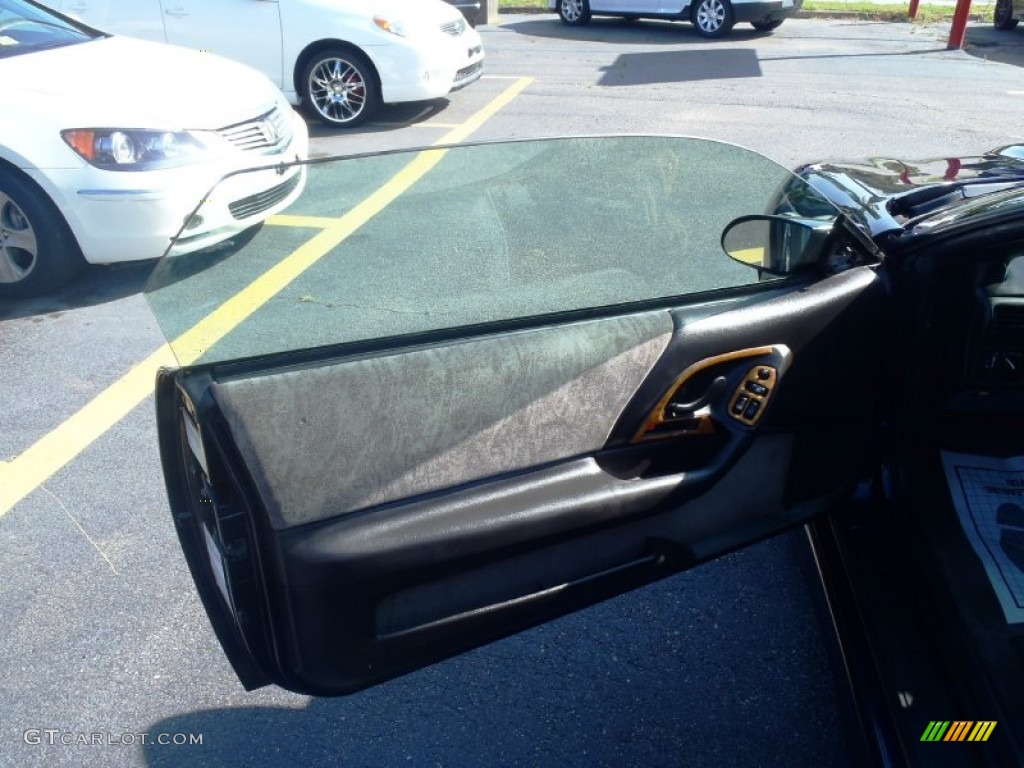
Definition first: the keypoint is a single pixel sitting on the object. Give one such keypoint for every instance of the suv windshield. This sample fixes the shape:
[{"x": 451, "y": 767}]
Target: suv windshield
[
  {"x": 26, "y": 27},
  {"x": 422, "y": 240}
]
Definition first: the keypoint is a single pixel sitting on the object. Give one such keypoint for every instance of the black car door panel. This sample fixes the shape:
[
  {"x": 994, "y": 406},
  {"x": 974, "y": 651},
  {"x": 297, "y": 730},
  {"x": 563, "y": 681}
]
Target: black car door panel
[
  {"x": 408, "y": 606},
  {"x": 357, "y": 518}
]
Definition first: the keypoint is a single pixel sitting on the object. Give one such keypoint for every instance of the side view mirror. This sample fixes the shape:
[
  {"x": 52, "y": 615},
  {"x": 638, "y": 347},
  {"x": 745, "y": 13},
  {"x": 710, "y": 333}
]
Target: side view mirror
[{"x": 777, "y": 245}]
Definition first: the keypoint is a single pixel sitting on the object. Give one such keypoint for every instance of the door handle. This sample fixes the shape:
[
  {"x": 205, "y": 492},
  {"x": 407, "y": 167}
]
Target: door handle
[
  {"x": 684, "y": 410},
  {"x": 671, "y": 418},
  {"x": 177, "y": 12}
]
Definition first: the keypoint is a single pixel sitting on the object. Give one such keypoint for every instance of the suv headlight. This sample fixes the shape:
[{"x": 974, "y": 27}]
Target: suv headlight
[{"x": 122, "y": 149}]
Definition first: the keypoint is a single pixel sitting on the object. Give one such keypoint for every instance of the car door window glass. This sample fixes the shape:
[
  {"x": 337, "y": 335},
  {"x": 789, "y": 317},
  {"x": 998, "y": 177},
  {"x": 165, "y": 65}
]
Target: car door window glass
[{"x": 401, "y": 243}]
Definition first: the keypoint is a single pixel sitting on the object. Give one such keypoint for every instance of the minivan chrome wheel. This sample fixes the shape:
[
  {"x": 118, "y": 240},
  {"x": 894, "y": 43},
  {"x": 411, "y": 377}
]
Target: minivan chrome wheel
[
  {"x": 575, "y": 13},
  {"x": 341, "y": 87},
  {"x": 713, "y": 18}
]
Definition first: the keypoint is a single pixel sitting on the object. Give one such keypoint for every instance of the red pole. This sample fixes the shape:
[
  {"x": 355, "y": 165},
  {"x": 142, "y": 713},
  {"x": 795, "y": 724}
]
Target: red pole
[
  {"x": 953, "y": 166},
  {"x": 959, "y": 27},
  {"x": 912, "y": 11}
]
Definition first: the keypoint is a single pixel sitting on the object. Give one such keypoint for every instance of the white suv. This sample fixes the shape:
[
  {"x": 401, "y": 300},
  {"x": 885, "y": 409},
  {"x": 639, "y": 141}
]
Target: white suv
[
  {"x": 342, "y": 57},
  {"x": 712, "y": 18}
]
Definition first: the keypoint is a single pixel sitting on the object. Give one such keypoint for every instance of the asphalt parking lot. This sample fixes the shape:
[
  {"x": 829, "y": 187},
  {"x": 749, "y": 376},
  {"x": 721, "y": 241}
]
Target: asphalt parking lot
[{"x": 727, "y": 665}]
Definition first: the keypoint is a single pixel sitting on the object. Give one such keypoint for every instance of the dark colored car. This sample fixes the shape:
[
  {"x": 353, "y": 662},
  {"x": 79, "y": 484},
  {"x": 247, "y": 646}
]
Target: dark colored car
[
  {"x": 1007, "y": 14},
  {"x": 470, "y": 9},
  {"x": 521, "y": 377}
]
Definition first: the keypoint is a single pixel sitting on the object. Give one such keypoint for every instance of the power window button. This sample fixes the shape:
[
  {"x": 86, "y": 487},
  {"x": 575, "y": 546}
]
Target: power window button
[
  {"x": 751, "y": 410},
  {"x": 757, "y": 389},
  {"x": 740, "y": 404}
]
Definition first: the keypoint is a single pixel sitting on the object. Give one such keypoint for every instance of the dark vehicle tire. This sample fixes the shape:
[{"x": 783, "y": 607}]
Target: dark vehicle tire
[
  {"x": 712, "y": 18},
  {"x": 38, "y": 253},
  {"x": 341, "y": 87},
  {"x": 766, "y": 26},
  {"x": 575, "y": 13},
  {"x": 1002, "y": 17}
]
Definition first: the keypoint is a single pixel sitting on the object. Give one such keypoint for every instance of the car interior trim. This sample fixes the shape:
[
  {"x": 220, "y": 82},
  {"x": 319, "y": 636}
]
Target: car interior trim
[{"x": 655, "y": 425}]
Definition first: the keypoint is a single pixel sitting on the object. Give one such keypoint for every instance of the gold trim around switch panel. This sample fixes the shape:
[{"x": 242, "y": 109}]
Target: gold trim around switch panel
[
  {"x": 699, "y": 425},
  {"x": 750, "y": 389}
]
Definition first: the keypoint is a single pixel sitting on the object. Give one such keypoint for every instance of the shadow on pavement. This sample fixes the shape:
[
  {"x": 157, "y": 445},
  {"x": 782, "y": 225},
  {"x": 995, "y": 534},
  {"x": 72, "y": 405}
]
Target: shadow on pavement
[
  {"x": 1002, "y": 46},
  {"x": 680, "y": 67},
  {"x": 647, "y": 32},
  {"x": 390, "y": 117},
  {"x": 99, "y": 284},
  {"x": 93, "y": 285}
]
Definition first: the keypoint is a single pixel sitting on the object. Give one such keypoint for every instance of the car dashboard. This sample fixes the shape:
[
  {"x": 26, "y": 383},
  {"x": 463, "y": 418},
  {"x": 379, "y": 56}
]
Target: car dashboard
[
  {"x": 996, "y": 357},
  {"x": 960, "y": 318}
]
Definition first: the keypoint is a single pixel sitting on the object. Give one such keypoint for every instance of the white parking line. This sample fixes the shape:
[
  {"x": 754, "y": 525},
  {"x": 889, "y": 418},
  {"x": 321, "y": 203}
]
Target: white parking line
[{"x": 81, "y": 530}]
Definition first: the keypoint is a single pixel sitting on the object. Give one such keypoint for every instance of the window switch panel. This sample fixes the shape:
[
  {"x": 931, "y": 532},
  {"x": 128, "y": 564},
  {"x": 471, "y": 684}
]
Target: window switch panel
[{"x": 751, "y": 397}]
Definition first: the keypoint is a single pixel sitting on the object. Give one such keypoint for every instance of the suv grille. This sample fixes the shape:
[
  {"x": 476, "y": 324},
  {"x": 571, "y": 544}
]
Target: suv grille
[
  {"x": 269, "y": 130},
  {"x": 454, "y": 28}
]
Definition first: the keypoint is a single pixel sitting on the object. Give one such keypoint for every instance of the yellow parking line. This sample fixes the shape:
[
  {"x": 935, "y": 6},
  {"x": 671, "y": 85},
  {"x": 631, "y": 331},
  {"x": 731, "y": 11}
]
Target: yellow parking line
[
  {"x": 192, "y": 344},
  {"x": 754, "y": 256},
  {"x": 54, "y": 450},
  {"x": 26, "y": 472},
  {"x": 473, "y": 124}
]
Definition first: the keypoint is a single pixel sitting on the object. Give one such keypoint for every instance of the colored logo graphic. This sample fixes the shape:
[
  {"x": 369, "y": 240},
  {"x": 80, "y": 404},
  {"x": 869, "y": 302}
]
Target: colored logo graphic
[{"x": 958, "y": 730}]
